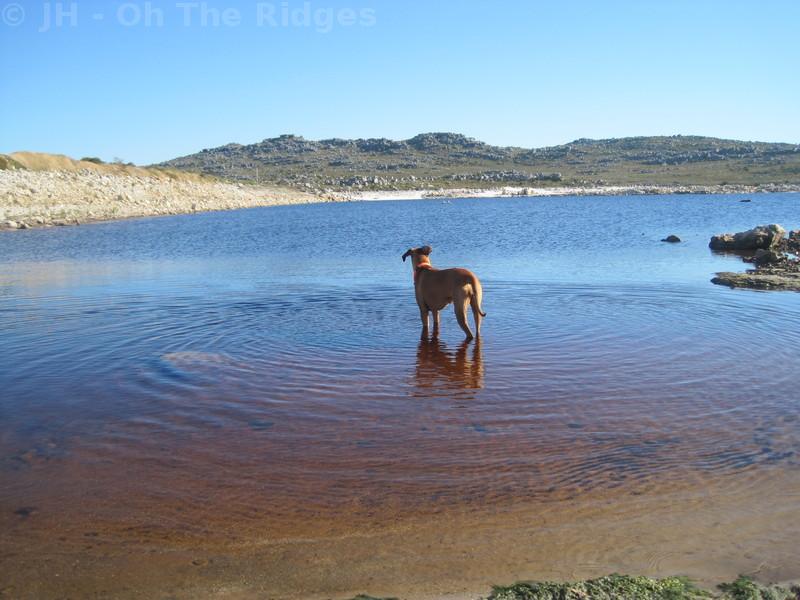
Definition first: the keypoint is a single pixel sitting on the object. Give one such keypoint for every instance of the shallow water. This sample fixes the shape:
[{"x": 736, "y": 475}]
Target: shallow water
[{"x": 221, "y": 382}]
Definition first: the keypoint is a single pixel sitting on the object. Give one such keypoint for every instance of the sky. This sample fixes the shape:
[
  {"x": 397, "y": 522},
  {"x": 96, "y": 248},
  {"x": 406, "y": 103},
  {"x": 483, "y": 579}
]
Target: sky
[{"x": 149, "y": 81}]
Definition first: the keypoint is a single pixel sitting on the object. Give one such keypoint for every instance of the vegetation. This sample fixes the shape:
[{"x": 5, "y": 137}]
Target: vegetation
[
  {"x": 93, "y": 159},
  {"x": 611, "y": 587},
  {"x": 624, "y": 587},
  {"x": 447, "y": 160},
  {"x": 745, "y": 588}
]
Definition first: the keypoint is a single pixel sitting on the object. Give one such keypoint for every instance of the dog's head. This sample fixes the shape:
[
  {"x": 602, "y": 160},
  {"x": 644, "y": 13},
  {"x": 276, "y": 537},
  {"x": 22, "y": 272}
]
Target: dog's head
[{"x": 418, "y": 255}]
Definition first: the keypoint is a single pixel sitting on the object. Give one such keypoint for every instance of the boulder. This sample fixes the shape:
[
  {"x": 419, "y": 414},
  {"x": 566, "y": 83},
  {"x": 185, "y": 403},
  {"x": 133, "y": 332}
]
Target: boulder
[
  {"x": 11, "y": 224},
  {"x": 761, "y": 237},
  {"x": 672, "y": 239}
]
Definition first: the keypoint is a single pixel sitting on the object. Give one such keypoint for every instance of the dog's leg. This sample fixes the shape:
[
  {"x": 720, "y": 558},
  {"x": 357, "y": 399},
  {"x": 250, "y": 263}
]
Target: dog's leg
[
  {"x": 423, "y": 313},
  {"x": 476, "y": 314},
  {"x": 460, "y": 307},
  {"x": 435, "y": 323},
  {"x": 475, "y": 303}
]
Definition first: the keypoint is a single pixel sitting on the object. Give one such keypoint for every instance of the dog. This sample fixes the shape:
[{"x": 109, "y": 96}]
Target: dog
[{"x": 436, "y": 288}]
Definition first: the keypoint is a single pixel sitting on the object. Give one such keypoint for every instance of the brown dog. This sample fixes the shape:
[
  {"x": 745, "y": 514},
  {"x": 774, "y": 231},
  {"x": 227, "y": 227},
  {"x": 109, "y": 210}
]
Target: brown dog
[{"x": 436, "y": 289}]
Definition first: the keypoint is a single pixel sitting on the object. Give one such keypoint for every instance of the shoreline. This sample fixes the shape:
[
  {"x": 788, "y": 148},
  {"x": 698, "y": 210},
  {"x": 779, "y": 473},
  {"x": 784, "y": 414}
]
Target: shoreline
[
  {"x": 45, "y": 198},
  {"x": 534, "y": 192}
]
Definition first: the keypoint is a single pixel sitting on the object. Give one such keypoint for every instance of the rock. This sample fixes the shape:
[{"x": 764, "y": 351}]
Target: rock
[
  {"x": 767, "y": 257},
  {"x": 722, "y": 242},
  {"x": 759, "y": 281},
  {"x": 763, "y": 236},
  {"x": 746, "y": 200},
  {"x": 11, "y": 224},
  {"x": 23, "y": 226},
  {"x": 672, "y": 239}
]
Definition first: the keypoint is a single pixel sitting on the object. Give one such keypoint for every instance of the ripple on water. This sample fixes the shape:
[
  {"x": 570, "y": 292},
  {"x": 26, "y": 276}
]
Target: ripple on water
[{"x": 315, "y": 401}]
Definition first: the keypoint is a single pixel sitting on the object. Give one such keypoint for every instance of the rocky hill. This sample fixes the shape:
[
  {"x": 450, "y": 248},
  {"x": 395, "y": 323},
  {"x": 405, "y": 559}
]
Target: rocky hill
[{"x": 448, "y": 160}]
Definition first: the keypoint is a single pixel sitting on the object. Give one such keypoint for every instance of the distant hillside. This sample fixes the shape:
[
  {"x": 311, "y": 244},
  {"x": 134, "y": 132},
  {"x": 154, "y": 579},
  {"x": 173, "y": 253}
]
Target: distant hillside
[{"x": 446, "y": 160}]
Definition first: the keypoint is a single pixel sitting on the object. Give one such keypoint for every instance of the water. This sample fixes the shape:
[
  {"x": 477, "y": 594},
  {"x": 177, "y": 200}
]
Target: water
[{"x": 230, "y": 381}]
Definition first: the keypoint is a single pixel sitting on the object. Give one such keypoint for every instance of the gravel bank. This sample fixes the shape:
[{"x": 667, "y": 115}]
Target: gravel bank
[{"x": 30, "y": 198}]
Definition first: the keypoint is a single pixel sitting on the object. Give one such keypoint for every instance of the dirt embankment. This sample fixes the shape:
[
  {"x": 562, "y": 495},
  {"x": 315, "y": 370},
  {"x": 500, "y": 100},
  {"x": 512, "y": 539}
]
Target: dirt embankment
[{"x": 39, "y": 190}]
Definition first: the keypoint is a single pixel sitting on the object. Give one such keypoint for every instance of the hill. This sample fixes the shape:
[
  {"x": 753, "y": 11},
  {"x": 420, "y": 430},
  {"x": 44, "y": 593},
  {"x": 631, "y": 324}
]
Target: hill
[{"x": 448, "y": 160}]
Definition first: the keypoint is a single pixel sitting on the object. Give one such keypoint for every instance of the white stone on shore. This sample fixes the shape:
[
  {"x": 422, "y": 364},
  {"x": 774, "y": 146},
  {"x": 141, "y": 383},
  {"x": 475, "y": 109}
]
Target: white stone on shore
[{"x": 41, "y": 198}]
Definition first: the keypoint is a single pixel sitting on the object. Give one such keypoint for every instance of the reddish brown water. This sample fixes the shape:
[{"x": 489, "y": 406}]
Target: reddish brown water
[{"x": 237, "y": 414}]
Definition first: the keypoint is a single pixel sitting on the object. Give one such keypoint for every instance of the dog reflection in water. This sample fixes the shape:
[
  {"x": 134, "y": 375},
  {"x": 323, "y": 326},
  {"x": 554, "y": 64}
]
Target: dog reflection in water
[{"x": 440, "y": 368}]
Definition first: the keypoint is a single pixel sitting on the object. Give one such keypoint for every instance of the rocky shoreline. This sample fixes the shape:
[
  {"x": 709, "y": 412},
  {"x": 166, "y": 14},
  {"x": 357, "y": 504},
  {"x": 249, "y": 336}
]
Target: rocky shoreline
[
  {"x": 776, "y": 258},
  {"x": 41, "y": 190},
  {"x": 44, "y": 198},
  {"x": 594, "y": 190}
]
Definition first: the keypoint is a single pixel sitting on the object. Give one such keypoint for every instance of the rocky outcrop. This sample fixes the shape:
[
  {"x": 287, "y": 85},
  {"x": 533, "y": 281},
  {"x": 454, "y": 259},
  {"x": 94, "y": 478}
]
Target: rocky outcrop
[
  {"x": 775, "y": 267},
  {"x": 793, "y": 242},
  {"x": 761, "y": 237},
  {"x": 759, "y": 280}
]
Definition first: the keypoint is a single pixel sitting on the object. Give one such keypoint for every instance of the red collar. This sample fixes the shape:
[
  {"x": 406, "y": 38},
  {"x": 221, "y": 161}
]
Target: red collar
[{"x": 419, "y": 268}]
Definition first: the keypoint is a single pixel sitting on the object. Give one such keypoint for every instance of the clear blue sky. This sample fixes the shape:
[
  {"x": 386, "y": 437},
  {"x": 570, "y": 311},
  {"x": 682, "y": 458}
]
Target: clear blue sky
[{"x": 528, "y": 73}]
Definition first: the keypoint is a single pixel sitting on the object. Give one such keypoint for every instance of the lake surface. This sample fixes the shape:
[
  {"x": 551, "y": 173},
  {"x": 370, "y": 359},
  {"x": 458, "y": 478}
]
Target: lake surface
[{"x": 239, "y": 404}]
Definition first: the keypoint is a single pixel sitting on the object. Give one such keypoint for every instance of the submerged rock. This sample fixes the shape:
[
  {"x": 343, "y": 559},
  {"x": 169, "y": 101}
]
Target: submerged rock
[
  {"x": 761, "y": 237},
  {"x": 188, "y": 358},
  {"x": 672, "y": 239}
]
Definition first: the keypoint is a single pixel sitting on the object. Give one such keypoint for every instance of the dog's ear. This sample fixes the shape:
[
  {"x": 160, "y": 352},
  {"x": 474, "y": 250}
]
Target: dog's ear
[
  {"x": 425, "y": 250},
  {"x": 409, "y": 252}
]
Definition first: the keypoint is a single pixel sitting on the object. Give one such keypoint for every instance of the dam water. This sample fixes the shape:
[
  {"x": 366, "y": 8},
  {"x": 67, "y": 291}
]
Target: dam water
[{"x": 241, "y": 403}]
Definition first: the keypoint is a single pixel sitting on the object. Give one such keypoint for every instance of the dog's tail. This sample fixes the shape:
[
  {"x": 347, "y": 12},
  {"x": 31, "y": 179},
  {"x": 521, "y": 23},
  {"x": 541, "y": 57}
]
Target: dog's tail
[{"x": 476, "y": 298}]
